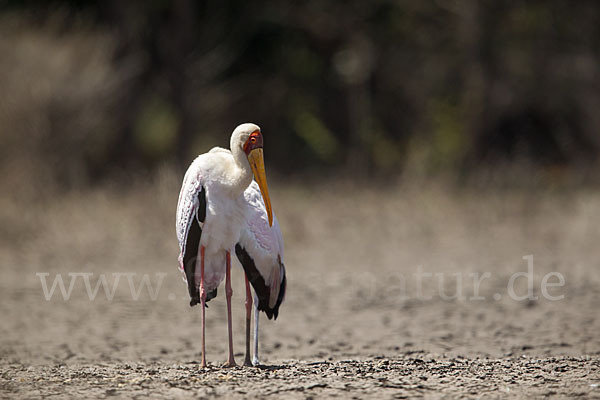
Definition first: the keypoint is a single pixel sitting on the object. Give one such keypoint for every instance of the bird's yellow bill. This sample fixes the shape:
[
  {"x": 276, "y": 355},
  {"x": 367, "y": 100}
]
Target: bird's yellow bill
[{"x": 257, "y": 163}]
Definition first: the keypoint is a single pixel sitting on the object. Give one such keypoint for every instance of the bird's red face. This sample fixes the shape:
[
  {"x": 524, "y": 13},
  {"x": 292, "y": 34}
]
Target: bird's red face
[
  {"x": 254, "y": 151},
  {"x": 254, "y": 141}
]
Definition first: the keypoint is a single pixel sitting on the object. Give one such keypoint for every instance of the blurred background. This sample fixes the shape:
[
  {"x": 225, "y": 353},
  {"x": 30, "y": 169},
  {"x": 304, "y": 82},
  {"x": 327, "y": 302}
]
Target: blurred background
[
  {"x": 456, "y": 135},
  {"x": 461, "y": 88}
]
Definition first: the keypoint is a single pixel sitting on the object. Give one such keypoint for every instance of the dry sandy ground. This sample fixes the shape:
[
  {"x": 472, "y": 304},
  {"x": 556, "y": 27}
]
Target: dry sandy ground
[{"x": 357, "y": 321}]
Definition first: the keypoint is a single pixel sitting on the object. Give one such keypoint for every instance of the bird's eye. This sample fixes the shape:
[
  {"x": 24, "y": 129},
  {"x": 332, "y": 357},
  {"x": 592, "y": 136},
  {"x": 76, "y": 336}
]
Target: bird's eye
[{"x": 252, "y": 139}]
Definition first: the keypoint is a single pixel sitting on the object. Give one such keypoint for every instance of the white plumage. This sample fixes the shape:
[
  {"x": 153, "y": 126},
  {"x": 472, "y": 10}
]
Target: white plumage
[
  {"x": 220, "y": 209},
  {"x": 224, "y": 213}
]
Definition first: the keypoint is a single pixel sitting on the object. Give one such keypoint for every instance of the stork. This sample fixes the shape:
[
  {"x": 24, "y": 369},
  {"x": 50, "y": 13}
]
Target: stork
[{"x": 220, "y": 209}]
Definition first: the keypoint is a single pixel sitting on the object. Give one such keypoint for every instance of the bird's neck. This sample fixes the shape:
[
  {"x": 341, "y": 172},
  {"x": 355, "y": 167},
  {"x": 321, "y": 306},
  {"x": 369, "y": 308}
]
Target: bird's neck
[{"x": 240, "y": 173}]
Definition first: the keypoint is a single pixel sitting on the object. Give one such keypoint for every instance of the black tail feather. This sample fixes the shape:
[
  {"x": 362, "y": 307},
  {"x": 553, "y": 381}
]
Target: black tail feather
[
  {"x": 196, "y": 299},
  {"x": 281, "y": 293}
]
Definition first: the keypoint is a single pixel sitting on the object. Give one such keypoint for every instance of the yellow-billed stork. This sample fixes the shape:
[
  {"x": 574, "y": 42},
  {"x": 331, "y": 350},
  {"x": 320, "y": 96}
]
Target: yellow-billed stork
[{"x": 220, "y": 209}]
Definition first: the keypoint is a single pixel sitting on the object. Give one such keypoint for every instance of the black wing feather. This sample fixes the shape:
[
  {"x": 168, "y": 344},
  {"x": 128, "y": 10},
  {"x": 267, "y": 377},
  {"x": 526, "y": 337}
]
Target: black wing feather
[
  {"x": 258, "y": 283},
  {"x": 191, "y": 251}
]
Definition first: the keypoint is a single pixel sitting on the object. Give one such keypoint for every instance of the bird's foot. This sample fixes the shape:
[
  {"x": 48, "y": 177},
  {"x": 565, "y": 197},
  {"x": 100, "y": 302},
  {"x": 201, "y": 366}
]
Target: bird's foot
[
  {"x": 230, "y": 364},
  {"x": 255, "y": 361},
  {"x": 203, "y": 364},
  {"x": 247, "y": 362}
]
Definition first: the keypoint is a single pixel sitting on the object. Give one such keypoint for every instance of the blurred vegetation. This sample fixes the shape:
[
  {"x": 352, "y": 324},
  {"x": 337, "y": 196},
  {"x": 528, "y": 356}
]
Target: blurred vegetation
[{"x": 93, "y": 89}]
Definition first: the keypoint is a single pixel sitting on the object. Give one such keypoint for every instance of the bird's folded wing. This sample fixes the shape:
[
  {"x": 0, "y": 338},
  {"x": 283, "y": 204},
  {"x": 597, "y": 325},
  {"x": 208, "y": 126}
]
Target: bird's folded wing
[
  {"x": 191, "y": 212},
  {"x": 260, "y": 251}
]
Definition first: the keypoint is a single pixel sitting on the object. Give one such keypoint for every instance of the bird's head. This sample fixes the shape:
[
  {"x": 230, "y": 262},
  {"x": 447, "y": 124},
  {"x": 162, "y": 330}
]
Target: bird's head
[{"x": 250, "y": 140}]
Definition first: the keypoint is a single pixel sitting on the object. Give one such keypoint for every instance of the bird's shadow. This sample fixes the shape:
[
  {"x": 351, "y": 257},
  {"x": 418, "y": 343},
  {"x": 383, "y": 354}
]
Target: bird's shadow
[
  {"x": 271, "y": 367},
  {"x": 262, "y": 367}
]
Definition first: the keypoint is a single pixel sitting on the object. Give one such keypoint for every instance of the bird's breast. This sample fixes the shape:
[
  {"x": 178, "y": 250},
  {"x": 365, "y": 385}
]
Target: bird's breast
[{"x": 224, "y": 221}]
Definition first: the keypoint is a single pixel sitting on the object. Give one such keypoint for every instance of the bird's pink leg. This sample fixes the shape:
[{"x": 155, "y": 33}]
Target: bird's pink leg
[
  {"x": 247, "y": 361},
  {"x": 202, "y": 305},
  {"x": 228, "y": 294}
]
